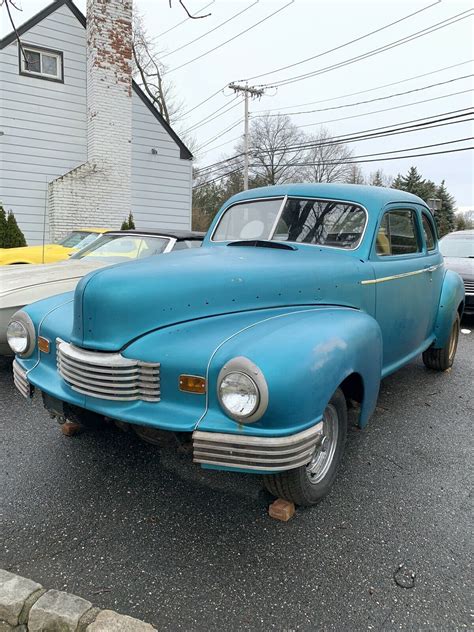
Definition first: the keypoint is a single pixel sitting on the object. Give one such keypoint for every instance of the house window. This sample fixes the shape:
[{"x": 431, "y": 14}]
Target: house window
[{"x": 41, "y": 62}]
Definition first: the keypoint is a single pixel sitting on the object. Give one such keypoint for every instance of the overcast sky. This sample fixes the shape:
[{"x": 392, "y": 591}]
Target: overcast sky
[{"x": 307, "y": 28}]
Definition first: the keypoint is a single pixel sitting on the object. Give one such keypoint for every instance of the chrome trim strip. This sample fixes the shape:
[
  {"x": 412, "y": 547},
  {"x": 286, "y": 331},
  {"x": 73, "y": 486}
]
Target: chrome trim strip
[
  {"x": 400, "y": 276},
  {"x": 256, "y": 453}
]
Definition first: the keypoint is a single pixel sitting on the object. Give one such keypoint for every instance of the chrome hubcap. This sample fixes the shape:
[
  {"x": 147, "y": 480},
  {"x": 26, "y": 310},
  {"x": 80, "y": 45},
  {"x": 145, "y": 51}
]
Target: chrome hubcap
[
  {"x": 453, "y": 340},
  {"x": 324, "y": 452}
]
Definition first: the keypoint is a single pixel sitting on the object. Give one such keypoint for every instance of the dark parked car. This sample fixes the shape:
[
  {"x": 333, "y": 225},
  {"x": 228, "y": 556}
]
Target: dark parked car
[{"x": 458, "y": 251}]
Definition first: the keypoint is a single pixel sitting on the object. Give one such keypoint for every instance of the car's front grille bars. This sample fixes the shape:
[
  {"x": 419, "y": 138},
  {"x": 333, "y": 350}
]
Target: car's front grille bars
[{"x": 108, "y": 375}]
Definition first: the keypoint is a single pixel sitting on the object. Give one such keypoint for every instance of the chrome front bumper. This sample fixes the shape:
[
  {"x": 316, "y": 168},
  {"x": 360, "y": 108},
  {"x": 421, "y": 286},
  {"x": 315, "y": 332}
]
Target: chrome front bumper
[
  {"x": 269, "y": 454},
  {"x": 20, "y": 380}
]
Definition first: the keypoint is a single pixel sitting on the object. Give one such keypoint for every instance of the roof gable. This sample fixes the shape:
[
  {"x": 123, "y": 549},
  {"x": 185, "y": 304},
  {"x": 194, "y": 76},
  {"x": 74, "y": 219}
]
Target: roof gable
[{"x": 185, "y": 154}]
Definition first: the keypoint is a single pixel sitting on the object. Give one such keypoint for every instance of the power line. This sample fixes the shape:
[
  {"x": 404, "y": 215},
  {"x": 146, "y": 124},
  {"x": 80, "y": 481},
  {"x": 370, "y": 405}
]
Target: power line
[
  {"x": 211, "y": 117},
  {"x": 182, "y": 21},
  {"x": 403, "y": 127},
  {"x": 222, "y": 133},
  {"x": 379, "y": 153},
  {"x": 350, "y": 105},
  {"x": 195, "y": 107},
  {"x": 227, "y": 142},
  {"x": 352, "y": 94},
  {"x": 332, "y": 50},
  {"x": 232, "y": 38},
  {"x": 354, "y": 162},
  {"x": 396, "y": 107},
  {"x": 381, "y": 49},
  {"x": 236, "y": 15}
]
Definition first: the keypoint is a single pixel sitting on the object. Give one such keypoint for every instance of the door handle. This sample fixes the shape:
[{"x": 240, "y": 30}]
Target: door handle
[{"x": 431, "y": 268}]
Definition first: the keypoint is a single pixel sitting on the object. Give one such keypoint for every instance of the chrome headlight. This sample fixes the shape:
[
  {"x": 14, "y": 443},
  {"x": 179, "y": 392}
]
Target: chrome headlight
[
  {"x": 242, "y": 390},
  {"x": 21, "y": 334}
]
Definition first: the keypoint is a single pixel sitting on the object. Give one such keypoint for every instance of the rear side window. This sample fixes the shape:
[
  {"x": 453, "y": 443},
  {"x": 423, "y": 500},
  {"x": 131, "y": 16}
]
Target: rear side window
[
  {"x": 428, "y": 232},
  {"x": 398, "y": 234}
]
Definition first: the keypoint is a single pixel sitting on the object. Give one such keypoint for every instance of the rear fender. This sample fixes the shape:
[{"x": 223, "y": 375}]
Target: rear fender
[
  {"x": 452, "y": 296},
  {"x": 304, "y": 357}
]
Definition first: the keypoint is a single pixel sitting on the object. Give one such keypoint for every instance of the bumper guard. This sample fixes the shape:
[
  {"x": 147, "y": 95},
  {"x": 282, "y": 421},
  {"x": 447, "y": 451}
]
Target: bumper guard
[{"x": 269, "y": 454}]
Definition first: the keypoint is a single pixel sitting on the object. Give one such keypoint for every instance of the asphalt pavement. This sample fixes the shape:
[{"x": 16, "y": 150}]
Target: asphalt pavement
[{"x": 149, "y": 534}]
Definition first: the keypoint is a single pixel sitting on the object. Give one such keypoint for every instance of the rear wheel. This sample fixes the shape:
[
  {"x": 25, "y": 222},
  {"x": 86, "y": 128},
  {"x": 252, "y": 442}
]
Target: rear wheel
[
  {"x": 309, "y": 484},
  {"x": 442, "y": 359}
]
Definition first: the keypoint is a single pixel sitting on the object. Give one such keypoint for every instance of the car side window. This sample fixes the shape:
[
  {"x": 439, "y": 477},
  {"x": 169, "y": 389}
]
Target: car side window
[
  {"x": 398, "y": 234},
  {"x": 428, "y": 232}
]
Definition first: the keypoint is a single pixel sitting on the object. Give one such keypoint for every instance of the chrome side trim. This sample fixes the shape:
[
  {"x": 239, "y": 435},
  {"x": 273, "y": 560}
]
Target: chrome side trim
[
  {"x": 269, "y": 454},
  {"x": 21, "y": 382},
  {"x": 400, "y": 276}
]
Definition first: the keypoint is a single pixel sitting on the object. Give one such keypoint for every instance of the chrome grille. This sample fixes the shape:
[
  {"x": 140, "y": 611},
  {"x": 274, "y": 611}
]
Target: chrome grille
[
  {"x": 108, "y": 375},
  {"x": 469, "y": 287},
  {"x": 21, "y": 381}
]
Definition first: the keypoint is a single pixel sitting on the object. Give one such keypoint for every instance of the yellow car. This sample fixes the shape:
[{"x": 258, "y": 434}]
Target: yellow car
[{"x": 74, "y": 241}]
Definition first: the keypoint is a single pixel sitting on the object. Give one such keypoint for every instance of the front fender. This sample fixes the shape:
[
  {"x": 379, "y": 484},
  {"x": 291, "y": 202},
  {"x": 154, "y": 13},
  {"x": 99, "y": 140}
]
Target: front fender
[
  {"x": 304, "y": 356},
  {"x": 452, "y": 296}
]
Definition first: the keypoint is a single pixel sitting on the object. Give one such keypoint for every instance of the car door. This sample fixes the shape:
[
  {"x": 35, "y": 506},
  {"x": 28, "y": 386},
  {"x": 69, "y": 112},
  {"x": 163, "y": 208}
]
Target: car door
[{"x": 403, "y": 288}]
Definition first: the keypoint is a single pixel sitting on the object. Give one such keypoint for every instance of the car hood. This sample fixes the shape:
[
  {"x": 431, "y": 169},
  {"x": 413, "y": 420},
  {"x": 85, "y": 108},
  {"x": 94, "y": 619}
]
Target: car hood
[
  {"x": 30, "y": 251},
  {"x": 23, "y": 284},
  {"x": 464, "y": 266},
  {"x": 114, "y": 306}
]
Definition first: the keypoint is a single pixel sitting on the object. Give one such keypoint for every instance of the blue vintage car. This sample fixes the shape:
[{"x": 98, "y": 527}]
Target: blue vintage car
[{"x": 302, "y": 298}]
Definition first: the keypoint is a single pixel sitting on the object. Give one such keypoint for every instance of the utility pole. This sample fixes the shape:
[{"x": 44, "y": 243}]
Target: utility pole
[{"x": 253, "y": 92}]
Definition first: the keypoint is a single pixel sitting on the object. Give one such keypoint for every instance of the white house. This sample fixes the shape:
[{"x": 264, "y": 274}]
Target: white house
[{"x": 80, "y": 143}]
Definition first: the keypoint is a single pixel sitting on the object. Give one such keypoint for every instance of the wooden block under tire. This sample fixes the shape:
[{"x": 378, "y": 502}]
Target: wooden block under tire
[
  {"x": 282, "y": 510},
  {"x": 70, "y": 428}
]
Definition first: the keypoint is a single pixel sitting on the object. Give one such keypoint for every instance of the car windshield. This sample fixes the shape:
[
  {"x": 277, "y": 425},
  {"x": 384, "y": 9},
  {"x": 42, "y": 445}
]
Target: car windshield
[
  {"x": 76, "y": 238},
  {"x": 118, "y": 248},
  {"x": 457, "y": 246},
  {"x": 318, "y": 222}
]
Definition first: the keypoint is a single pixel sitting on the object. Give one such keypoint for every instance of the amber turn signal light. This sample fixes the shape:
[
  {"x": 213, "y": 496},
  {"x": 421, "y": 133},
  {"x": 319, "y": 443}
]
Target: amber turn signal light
[
  {"x": 43, "y": 344},
  {"x": 192, "y": 384}
]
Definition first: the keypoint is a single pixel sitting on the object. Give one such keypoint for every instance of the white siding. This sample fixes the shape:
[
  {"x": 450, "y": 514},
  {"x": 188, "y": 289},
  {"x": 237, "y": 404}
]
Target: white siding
[
  {"x": 43, "y": 122},
  {"x": 161, "y": 182},
  {"x": 44, "y": 127}
]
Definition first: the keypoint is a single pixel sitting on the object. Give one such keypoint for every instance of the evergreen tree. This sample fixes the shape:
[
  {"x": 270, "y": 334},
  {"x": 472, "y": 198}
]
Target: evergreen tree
[
  {"x": 3, "y": 226},
  {"x": 376, "y": 179},
  {"x": 14, "y": 238},
  {"x": 445, "y": 219},
  {"x": 397, "y": 183},
  {"x": 129, "y": 223},
  {"x": 414, "y": 183}
]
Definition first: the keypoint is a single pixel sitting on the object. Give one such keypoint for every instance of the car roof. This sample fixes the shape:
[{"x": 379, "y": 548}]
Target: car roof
[
  {"x": 461, "y": 233},
  {"x": 180, "y": 235},
  {"x": 358, "y": 193}
]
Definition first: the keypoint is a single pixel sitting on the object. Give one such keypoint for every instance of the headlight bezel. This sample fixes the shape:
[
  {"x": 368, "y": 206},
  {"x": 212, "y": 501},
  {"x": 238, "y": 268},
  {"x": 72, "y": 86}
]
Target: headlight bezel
[
  {"x": 25, "y": 321},
  {"x": 244, "y": 366}
]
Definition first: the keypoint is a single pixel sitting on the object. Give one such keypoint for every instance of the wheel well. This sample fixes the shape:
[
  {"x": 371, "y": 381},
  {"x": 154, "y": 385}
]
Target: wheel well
[
  {"x": 461, "y": 309},
  {"x": 353, "y": 388}
]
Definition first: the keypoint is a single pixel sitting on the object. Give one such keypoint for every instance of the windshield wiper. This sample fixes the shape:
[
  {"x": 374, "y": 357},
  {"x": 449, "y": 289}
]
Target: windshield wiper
[{"x": 260, "y": 243}]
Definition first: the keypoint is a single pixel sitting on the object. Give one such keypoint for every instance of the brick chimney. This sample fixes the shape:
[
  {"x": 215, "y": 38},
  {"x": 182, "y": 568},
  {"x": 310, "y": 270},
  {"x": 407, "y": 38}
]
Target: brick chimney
[{"x": 98, "y": 192}]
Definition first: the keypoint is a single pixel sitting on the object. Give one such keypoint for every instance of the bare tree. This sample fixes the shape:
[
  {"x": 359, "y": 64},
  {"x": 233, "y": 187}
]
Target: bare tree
[
  {"x": 355, "y": 175},
  {"x": 272, "y": 158},
  {"x": 149, "y": 72},
  {"x": 327, "y": 159}
]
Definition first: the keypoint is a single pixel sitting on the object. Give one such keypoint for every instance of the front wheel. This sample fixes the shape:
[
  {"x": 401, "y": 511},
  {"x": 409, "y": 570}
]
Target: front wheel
[
  {"x": 309, "y": 484},
  {"x": 442, "y": 359}
]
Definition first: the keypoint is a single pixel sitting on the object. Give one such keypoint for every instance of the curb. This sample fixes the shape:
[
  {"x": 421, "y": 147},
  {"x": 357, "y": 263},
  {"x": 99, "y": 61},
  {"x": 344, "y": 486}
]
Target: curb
[{"x": 25, "y": 606}]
